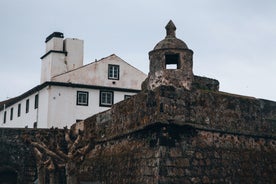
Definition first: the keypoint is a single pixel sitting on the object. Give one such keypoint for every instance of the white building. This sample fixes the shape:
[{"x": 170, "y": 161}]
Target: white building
[{"x": 70, "y": 92}]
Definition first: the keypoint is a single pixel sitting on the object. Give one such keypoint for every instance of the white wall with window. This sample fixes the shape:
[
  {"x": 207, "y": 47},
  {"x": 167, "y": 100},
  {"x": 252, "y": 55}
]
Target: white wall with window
[
  {"x": 70, "y": 91},
  {"x": 72, "y": 104},
  {"x": 21, "y": 114},
  {"x": 111, "y": 71},
  {"x": 60, "y": 106}
]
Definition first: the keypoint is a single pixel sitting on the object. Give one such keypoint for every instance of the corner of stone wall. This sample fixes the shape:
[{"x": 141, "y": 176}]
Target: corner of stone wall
[{"x": 205, "y": 83}]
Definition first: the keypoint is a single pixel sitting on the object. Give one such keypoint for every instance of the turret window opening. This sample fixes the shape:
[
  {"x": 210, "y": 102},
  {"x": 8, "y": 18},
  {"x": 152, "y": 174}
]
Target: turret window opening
[{"x": 172, "y": 61}]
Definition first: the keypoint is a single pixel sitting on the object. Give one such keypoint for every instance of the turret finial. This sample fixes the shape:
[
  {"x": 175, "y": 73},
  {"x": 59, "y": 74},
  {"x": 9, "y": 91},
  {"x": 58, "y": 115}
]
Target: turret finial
[{"x": 170, "y": 28}]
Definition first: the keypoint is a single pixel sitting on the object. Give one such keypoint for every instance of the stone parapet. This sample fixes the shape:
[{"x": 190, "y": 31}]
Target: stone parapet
[
  {"x": 205, "y": 83},
  {"x": 204, "y": 109}
]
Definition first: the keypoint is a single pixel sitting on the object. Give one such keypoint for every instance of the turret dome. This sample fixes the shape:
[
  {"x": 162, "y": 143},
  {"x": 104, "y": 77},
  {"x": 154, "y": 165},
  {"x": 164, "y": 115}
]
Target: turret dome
[{"x": 170, "y": 41}]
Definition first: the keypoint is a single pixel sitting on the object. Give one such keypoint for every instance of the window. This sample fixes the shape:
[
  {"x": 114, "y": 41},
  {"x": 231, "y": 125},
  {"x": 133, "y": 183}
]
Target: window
[
  {"x": 5, "y": 116},
  {"x": 36, "y": 102},
  {"x": 11, "y": 115},
  {"x": 113, "y": 72},
  {"x": 18, "y": 110},
  {"x": 27, "y": 105},
  {"x": 127, "y": 96},
  {"x": 106, "y": 98},
  {"x": 172, "y": 61},
  {"x": 82, "y": 98}
]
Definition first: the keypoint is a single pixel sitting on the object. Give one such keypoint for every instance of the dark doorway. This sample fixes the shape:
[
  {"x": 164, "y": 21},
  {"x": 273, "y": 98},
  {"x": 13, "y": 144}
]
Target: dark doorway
[{"x": 8, "y": 177}]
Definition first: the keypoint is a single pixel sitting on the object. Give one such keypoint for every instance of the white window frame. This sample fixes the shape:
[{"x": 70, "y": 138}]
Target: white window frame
[
  {"x": 113, "y": 72},
  {"x": 82, "y": 98},
  {"x": 106, "y": 98}
]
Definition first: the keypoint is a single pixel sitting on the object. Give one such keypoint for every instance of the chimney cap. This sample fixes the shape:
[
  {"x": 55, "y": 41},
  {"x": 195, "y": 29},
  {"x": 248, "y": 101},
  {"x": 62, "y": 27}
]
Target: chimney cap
[{"x": 54, "y": 34}]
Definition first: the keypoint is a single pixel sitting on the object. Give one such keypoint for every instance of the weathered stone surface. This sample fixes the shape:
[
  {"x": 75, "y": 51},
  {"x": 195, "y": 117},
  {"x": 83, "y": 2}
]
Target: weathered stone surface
[
  {"x": 18, "y": 156},
  {"x": 205, "y": 83},
  {"x": 226, "y": 148},
  {"x": 201, "y": 109}
]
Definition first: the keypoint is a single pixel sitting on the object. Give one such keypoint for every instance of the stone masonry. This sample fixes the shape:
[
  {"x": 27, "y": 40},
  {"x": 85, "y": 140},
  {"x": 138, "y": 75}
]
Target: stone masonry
[{"x": 178, "y": 139}]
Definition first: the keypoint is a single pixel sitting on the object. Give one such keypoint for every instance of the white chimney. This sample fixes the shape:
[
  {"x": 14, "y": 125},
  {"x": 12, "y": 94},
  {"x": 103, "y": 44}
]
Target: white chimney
[
  {"x": 74, "y": 49},
  {"x": 61, "y": 56}
]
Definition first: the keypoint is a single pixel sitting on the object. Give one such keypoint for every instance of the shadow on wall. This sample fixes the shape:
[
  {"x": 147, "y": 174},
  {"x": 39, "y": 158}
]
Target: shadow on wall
[{"x": 8, "y": 176}]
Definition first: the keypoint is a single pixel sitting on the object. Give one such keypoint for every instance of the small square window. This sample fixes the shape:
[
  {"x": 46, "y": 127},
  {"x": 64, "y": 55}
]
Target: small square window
[
  {"x": 106, "y": 98},
  {"x": 82, "y": 98},
  {"x": 113, "y": 72}
]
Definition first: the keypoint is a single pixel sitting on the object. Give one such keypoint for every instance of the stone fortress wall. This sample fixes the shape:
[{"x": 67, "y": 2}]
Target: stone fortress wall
[{"x": 232, "y": 139}]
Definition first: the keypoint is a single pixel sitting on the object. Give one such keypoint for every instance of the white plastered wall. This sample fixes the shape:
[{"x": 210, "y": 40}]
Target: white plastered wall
[
  {"x": 57, "y": 107},
  {"x": 64, "y": 111},
  {"x": 74, "y": 49},
  {"x": 52, "y": 65},
  {"x": 25, "y": 119},
  {"x": 96, "y": 73}
]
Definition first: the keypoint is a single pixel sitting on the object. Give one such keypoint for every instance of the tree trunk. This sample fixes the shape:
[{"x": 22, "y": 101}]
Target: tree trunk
[
  {"x": 41, "y": 174},
  {"x": 52, "y": 178},
  {"x": 71, "y": 177}
]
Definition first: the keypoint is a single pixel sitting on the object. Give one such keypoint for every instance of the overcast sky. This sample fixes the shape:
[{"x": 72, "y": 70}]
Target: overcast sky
[{"x": 233, "y": 41}]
